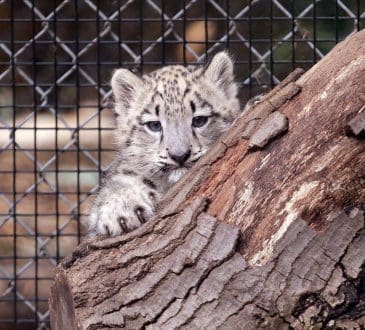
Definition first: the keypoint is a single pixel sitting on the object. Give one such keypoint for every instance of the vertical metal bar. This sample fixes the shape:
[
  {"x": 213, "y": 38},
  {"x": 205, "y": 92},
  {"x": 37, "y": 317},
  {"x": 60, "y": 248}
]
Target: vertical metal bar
[
  {"x": 314, "y": 31},
  {"x": 206, "y": 32},
  {"x": 227, "y": 24},
  {"x": 141, "y": 34},
  {"x": 35, "y": 170},
  {"x": 14, "y": 214},
  {"x": 184, "y": 33},
  {"x": 77, "y": 129},
  {"x": 163, "y": 50},
  {"x": 98, "y": 85},
  {"x": 250, "y": 47},
  {"x": 293, "y": 35},
  {"x": 358, "y": 16},
  {"x": 336, "y": 21},
  {"x": 55, "y": 86},
  {"x": 271, "y": 46},
  {"x": 119, "y": 37}
]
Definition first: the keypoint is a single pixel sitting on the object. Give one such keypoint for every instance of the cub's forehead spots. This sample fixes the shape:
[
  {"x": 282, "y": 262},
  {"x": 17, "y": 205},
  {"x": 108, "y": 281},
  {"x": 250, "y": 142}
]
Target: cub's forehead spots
[
  {"x": 168, "y": 81},
  {"x": 171, "y": 73},
  {"x": 172, "y": 89},
  {"x": 176, "y": 85}
]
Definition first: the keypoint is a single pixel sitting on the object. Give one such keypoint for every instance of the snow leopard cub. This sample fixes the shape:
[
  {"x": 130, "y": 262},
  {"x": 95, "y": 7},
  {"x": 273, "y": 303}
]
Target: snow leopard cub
[{"x": 166, "y": 121}]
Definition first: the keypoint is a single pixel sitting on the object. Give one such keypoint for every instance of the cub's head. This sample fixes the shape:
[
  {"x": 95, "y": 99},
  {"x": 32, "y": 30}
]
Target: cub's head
[{"x": 168, "y": 119}]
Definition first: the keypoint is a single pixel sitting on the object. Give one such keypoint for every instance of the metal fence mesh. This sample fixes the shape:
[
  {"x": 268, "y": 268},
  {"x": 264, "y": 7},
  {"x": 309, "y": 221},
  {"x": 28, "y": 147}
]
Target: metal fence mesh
[{"x": 56, "y": 58}]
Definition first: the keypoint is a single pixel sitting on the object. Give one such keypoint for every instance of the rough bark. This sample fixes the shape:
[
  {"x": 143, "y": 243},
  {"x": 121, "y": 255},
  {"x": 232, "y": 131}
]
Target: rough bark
[{"x": 267, "y": 231}]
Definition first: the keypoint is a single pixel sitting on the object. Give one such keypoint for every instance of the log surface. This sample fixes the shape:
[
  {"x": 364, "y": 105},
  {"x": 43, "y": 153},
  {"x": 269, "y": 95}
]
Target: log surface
[{"x": 267, "y": 231}]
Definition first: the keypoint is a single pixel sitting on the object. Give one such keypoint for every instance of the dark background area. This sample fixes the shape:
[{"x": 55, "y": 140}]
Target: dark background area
[{"x": 56, "y": 59}]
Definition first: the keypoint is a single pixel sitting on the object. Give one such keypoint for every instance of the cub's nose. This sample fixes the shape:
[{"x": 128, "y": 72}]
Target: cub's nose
[{"x": 180, "y": 158}]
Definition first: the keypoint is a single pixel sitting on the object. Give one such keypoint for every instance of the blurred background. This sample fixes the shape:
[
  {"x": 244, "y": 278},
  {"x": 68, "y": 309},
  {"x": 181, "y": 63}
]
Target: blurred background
[{"x": 56, "y": 59}]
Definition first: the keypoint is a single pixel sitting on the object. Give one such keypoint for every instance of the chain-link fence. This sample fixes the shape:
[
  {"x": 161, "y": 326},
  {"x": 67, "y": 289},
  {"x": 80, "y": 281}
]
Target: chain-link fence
[{"x": 56, "y": 59}]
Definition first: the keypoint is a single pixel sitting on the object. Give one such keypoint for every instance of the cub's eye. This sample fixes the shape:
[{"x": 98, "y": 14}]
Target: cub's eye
[
  {"x": 200, "y": 121},
  {"x": 154, "y": 126}
]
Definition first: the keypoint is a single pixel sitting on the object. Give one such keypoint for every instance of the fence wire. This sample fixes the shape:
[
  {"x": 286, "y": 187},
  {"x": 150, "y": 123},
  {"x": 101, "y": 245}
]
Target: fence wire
[{"x": 56, "y": 59}]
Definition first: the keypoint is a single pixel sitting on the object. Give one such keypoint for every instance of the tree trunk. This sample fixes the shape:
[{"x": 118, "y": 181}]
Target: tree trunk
[{"x": 267, "y": 231}]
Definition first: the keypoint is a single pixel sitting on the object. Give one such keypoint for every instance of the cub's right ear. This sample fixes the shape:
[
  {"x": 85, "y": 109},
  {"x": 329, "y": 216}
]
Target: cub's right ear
[
  {"x": 220, "y": 72},
  {"x": 124, "y": 85}
]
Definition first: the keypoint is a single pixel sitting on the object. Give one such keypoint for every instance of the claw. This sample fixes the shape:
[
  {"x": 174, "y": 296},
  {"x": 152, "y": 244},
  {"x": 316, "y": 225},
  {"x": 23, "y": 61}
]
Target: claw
[
  {"x": 106, "y": 228},
  {"x": 139, "y": 212},
  {"x": 121, "y": 221}
]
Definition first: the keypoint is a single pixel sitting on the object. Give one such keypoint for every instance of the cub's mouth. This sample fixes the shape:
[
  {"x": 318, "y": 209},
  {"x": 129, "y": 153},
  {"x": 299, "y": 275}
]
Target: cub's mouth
[
  {"x": 176, "y": 174},
  {"x": 172, "y": 167}
]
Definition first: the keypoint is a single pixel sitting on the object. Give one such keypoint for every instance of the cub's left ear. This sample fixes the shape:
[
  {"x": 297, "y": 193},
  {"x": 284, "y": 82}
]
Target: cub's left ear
[{"x": 220, "y": 72}]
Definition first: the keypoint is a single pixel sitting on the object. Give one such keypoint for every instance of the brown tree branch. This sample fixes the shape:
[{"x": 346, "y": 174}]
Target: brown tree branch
[{"x": 266, "y": 231}]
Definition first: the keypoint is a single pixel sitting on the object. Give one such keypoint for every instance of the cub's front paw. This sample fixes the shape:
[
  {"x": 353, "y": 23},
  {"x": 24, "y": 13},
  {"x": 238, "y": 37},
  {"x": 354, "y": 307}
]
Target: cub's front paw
[{"x": 117, "y": 214}]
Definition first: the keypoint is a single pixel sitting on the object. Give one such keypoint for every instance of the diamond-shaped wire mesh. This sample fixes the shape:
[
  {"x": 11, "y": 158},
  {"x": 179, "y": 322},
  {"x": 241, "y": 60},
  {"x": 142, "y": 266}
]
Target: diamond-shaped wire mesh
[{"x": 56, "y": 58}]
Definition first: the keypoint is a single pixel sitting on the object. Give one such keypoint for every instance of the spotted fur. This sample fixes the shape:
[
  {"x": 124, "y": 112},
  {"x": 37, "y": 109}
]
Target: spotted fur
[{"x": 166, "y": 121}]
